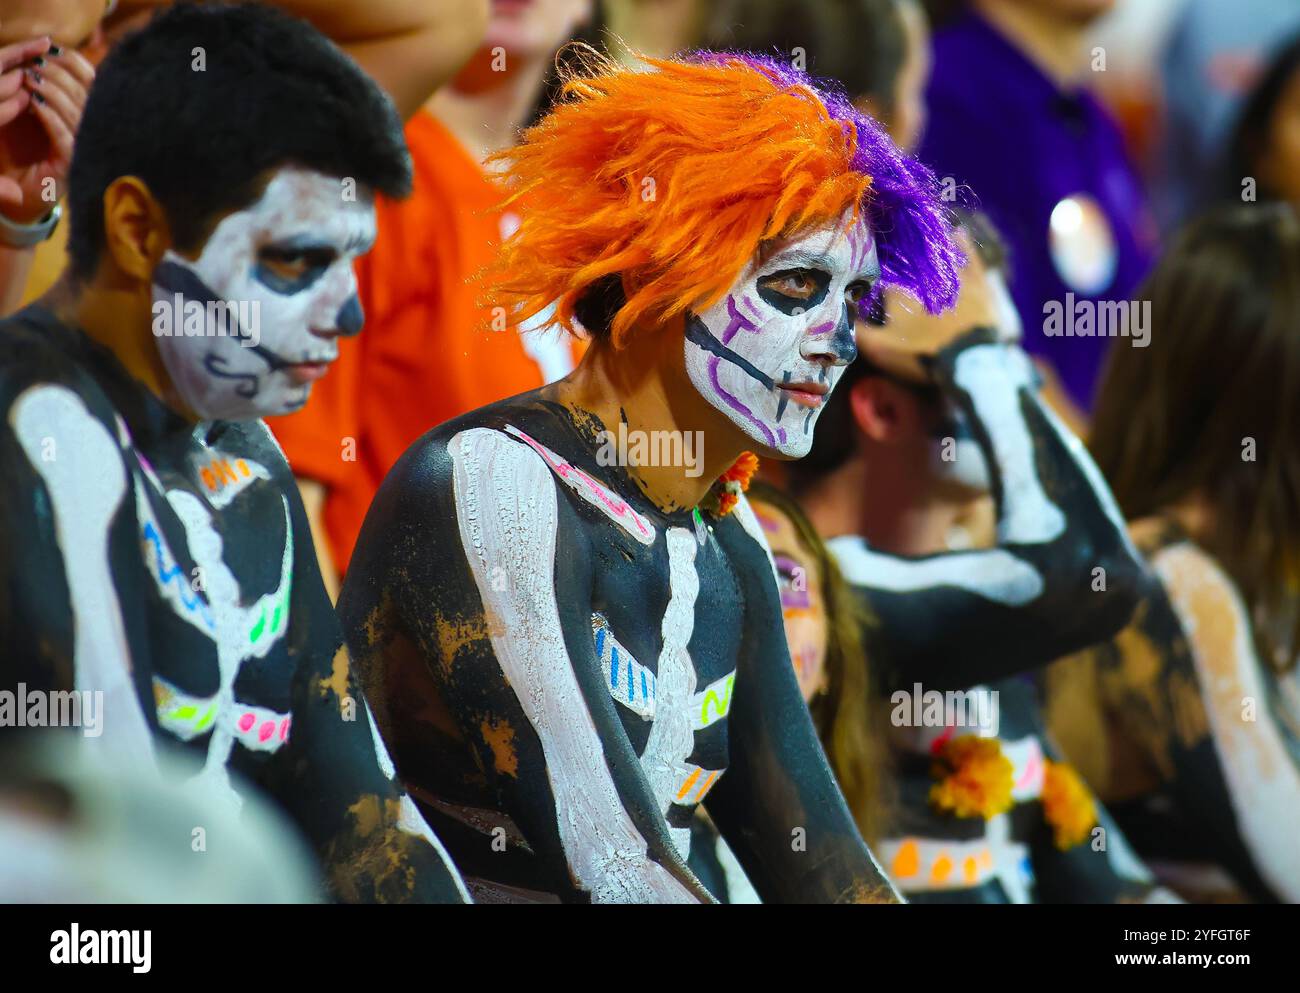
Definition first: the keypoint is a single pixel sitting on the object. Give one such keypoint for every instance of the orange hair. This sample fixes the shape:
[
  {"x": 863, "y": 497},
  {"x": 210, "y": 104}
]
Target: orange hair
[{"x": 672, "y": 179}]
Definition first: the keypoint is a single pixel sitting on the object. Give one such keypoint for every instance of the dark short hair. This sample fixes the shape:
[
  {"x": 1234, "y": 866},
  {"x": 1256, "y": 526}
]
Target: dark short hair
[{"x": 272, "y": 92}]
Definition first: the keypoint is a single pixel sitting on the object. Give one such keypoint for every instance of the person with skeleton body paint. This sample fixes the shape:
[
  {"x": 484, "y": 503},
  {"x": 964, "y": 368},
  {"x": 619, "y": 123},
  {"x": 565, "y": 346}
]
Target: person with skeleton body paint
[
  {"x": 1061, "y": 572},
  {"x": 152, "y": 542},
  {"x": 1188, "y": 721},
  {"x": 570, "y": 656}
]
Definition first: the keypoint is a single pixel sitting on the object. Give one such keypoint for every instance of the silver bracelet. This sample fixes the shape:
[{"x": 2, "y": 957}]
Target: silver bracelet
[{"x": 15, "y": 235}]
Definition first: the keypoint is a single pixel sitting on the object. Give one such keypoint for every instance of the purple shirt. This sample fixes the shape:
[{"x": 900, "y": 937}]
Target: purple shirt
[{"x": 1001, "y": 127}]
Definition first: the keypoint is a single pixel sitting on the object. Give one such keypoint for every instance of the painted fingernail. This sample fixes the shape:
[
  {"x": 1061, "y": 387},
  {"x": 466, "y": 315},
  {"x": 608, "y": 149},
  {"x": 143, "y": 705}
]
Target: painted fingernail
[
  {"x": 38, "y": 98},
  {"x": 38, "y": 61},
  {"x": 35, "y": 76},
  {"x": 55, "y": 50}
]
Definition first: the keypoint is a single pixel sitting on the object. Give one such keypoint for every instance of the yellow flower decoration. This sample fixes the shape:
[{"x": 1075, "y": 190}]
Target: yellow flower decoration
[
  {"x": 1067, "y": 804},
  {"x": 977, "y": 778}
]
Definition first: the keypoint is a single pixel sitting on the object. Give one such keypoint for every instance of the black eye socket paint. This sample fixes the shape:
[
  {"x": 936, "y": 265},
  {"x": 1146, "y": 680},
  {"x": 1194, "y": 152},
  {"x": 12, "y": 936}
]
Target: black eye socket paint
[
  {"x": 287, "y": 286},
  {"x": 317, "y": 256},
  {"x": 699, "y": 334},
  {"x": 787, "y": 304}
]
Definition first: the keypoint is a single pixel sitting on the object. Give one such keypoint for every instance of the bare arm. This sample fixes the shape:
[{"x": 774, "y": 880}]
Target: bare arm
[
  {"x": 313, "y": 501},
  {"x": 1063, "y": 574},
  {"x": 410, "y": 47},
  {"x": 15, "y": 266},
  {"x": 335, "y": 775},
  {"x": 1262, "y": 777},
  {"x": 36, "y": 138},
  {"x": 1134, "y": 713}
]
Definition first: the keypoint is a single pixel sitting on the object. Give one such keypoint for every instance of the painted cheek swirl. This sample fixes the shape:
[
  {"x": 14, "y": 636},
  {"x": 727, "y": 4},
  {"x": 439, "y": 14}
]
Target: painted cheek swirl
[{"x": 173, "y": 277}]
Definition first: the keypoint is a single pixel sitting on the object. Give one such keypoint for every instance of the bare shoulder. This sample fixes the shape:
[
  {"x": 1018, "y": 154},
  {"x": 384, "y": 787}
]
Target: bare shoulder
[
  {"x": 1212, "y": 614},
  {"x": 1148, "y": 533},
  {"x": 1190, "y": 574}
]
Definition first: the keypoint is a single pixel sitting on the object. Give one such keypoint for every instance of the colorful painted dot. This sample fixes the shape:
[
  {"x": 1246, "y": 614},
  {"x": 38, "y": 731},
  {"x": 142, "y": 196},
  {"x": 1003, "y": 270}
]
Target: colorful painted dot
[
  {"x": 246, "y": 722},
  {"x": 265, "y": 731},
  {"x": 908, "y": 860},
  {"x": 284, "y": 729},
  {"x": 941, "y": 869},
  {"x": 206, "y": 719}
]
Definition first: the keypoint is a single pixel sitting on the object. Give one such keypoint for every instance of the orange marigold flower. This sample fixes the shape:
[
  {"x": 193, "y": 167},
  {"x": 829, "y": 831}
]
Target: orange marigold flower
[
  {"x": 742, "y": 470},
  {"x": 725, "y": 492},
  {"x": 977, "y": 778},
  {"x": 1067, "y": 804}
]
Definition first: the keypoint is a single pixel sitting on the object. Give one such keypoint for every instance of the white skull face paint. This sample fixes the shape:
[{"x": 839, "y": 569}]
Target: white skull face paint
[
  {"x": 245, "y": 329},
  {"x": 963, "y": 464},
  {"x": 768, "y": 354},
  {"x": 955, "y": 456}
]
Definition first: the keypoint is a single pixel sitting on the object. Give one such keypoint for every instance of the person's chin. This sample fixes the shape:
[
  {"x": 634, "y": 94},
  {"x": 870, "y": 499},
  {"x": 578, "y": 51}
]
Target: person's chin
[
  {"x": 793, "y": 450},
  {"x": 290, "y": 402},
  {"x": 299, "y": 399}
]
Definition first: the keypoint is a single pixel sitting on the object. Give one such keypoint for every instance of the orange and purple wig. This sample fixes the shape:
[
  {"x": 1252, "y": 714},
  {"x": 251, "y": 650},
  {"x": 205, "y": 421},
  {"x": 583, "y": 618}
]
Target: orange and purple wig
[{"x": 672, "y": 179}]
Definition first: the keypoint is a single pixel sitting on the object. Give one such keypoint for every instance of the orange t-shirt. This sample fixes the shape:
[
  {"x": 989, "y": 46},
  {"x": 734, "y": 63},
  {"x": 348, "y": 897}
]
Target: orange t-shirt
[{"x": 427, "y": 352}]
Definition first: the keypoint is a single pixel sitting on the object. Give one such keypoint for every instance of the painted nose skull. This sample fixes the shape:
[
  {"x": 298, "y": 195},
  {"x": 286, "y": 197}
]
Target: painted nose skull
[
  {"x": 351, "y": 317},
  {"x": 834, "y": 339}
]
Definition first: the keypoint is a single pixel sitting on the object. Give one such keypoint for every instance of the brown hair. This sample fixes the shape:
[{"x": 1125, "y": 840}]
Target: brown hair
[
  {"x": 860, "y": 43},
  {"x": 1222, "y": 371},
  {"x": 849, "y": 716}
]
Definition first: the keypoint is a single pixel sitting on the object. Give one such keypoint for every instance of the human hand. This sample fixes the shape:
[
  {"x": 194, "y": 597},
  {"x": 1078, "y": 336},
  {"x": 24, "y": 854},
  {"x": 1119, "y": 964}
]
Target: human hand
[{"x": 43, "y": 91}]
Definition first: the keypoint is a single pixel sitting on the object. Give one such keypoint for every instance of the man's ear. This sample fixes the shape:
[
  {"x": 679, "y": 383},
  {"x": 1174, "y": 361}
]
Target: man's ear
[
  {"x": 136, "y": 232},
  {"x": 883, "y": 411}
]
